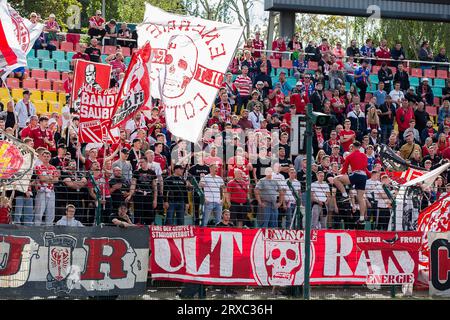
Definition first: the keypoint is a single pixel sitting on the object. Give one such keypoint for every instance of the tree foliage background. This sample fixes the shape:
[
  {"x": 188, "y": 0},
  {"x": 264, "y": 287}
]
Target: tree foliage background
[{"x": 309, "y": 26}]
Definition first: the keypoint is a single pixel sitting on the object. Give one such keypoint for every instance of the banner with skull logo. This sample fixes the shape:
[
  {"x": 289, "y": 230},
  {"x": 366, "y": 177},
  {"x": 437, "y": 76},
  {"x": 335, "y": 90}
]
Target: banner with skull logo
[
  {"x": 189, "y": 59},
  {"x": 88, "y": 75},
  {"x": 275, "y": 257}
]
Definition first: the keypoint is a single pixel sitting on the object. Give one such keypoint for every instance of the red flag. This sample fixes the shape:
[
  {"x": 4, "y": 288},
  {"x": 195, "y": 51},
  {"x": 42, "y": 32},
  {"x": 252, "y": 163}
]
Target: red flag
[
  {"x": 402, "y": 177},
  {"x": 134, "y": 93}
]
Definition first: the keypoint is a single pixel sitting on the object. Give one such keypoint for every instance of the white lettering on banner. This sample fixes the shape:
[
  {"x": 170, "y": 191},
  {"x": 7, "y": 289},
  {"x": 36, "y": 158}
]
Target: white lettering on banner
[
  {"x": 226, "y": 255},
  {"x": 338, "y": 246},
  {"x": 191, "y": 254},
  {"x": 283, "y": 235},
  {"x": 164, "y": 252},
  {"x": 16, "y": 254}
]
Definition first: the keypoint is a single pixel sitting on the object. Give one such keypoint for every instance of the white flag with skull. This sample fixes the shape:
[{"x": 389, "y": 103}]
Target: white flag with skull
[{"x": 190, "y": 57}]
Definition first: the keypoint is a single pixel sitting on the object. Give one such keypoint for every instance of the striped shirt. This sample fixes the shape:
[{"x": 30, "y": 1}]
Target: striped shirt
[{"x": 244, "y": 85}]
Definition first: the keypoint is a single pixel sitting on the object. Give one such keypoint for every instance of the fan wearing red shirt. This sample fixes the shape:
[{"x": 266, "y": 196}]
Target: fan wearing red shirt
[
  {"x": 258, "y": 44},
  {"x": 42, "y": 136},
  {"x": 347, "y": 136},
  {"x": 300, "y": 100},
  {"x": 278, "y": 45},
  {"x": 97, "y": 25},
  {"x": 358, "y": 162},
  {"x": 237, "y": 193}
]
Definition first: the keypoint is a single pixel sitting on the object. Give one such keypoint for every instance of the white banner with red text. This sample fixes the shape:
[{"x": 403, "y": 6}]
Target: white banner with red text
[
  {"x": 270, "y": 257},
  {"x": 190, "y": 57},
  {"x": 96, "y": 109}
]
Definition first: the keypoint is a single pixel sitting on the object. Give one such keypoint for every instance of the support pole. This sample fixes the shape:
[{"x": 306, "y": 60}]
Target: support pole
[{"x": 309, "y": 134}]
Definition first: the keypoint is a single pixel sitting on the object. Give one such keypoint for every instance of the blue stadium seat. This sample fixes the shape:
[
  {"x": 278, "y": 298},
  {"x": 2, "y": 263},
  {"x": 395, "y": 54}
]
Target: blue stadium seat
[
  {"x": 69, "y": 56},
  {"x": 374, "y": 78},
  {"x": 31, "y": 54},
  {"x": 440, "y": 83},
  {"x": 413, "y": 81},
  {"x": 43, "y": 54},
  {"x": 48, "y": 64},
  {"x": 292, "y": 81},
  {"x": 437, "y": 92},
  {"x": 33, "y": 63},
  {"x": 62, "y": 66},
  {"x": 59, "y": 55}
]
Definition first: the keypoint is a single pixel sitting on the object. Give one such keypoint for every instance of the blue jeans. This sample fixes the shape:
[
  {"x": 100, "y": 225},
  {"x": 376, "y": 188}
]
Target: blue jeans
[
  {"x": 386, "y": 130},
  {"x": 208, "y": 208},
  {"x": 290, "y": 214},
  {"x": 268, "y": 217},
  {"x": 175, "y": 213},
  {"x": 24, "y": 206}
]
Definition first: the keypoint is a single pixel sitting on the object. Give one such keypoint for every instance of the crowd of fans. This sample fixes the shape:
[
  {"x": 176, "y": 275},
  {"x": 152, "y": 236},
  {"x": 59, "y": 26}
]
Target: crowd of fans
[{"x": 244, "y": 162}]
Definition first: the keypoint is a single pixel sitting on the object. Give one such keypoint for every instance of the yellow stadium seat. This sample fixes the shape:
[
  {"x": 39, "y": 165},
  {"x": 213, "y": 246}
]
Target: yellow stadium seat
[
  {"x": 54, "y": 107},
  {"x": 62, "y": 98},
  {"x": 17, "y": 94},
  {"x": 4, "y": 101},
  {"x": 41, "y": 107},
  {"x": 35, "y": 95},
  {"x": 50, "y": 96},
  {"x": 4, "y": 93}
]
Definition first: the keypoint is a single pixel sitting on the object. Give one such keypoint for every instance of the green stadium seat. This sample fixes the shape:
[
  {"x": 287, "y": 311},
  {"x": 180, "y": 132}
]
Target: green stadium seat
[
  {"x": 59, "y": 55},
  {"x": 347, "y": 86},
  {"x": 279, "y": 70},
  {"x": 437, "y": 92},
  {"x": 43, "y": 54},
  {"x": 414, "y": 81},
  {"x": 374, "y": 78},
  {"x": 70, "y": 55},
  {"x": 33, "y": 63},
  {"x": 292, "y": 81},
  {"x": 48, "y": 64},
  {"x": 439, "y": 83},
  {"x": 31, "y": 54},
  {"x": 127, "y": 60},
  {"x": 63, "y": 65},
  {"x": 159, "y": 220},
  {"x": 103, "y": 57}
]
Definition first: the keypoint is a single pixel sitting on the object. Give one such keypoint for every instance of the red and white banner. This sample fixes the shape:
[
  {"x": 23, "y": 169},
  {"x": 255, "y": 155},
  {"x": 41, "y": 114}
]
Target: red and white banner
[
  {"x": 89, "y": 75},
  {"x": 439, "y": 263},
  {"x": 134, "y": 93},
  {"x": 96, "y": 107},
  {"x": 268, "y": 257},
  {"x": 402, "y": 177},
  {"x": 17, "y": 36},
  {"x": 190, "y": 58}
]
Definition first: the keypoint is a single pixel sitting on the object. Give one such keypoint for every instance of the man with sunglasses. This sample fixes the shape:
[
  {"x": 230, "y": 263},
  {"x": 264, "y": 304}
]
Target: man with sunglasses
[{"x": 97, "y": 25}]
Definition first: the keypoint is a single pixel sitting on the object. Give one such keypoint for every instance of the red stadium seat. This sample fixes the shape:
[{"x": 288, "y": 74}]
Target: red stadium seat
[
  {"x": 66, "y": 46},
  {"x": 73, "y": 37},
  {"x": 407, "y": 70},
  {"x": 64, "y": 75},
  {"x": 13, "y": 83},
  {"x": 437, "y": 101},
  {"x": 55, "y": 43},
  {"x": 58, "y": 86},
  {"x": 328, "y": 94},
  {"x": 313, "y": 65},
  {"x": 29, "y": 83},
  {"x": 375, "y": 69},
  {"x": 109, "y": 50},
  {"x": 77, "y": 47},
  {"x": 393, "y": 69},
  {"x": 431, "y": 110},
  {"x": 275, "y": 63},
  {"x": 53, "y": 75},
  {"x": 430, "y": 73},
  {"x": 44, "y": 84},
  {"x": 416, "y": 72},
  {"x": 126, "y": 51},
  {"x": 441, "y": 74},
  {"x": 286, "y": 64},
  {"x": 38, "y": 73},
  {"x": 368, "y": 97}
]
